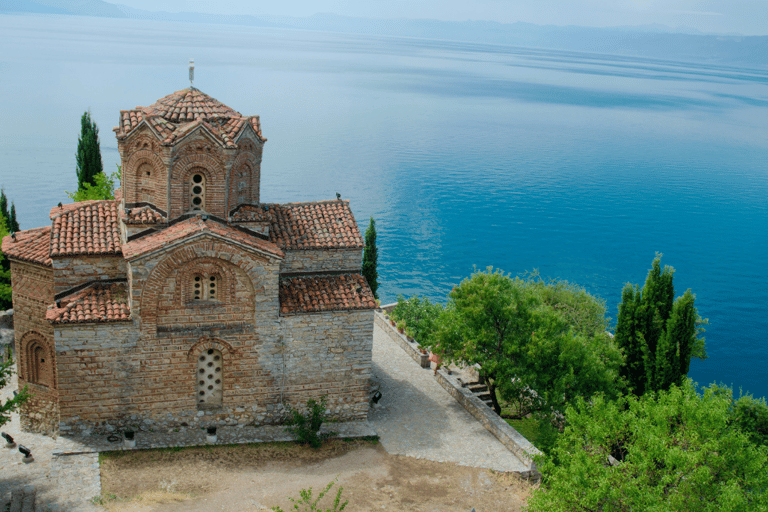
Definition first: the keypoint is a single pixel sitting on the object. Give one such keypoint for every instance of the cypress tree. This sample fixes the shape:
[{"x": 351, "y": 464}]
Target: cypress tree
[
  {"x": 657, "y": 333},
  {"x": 4, "y": 206},
  {"x": 13, "y": 224},
  {"x": 88, "y": 154},
  {"x": 370, "y": 257},
  {"x": 630, "y": 339}
]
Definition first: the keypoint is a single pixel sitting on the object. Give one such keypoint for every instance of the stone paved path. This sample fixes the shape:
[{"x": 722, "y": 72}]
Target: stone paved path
[
  {"x": 418, "y": 418},
  {"x": 415, "y": 417}
]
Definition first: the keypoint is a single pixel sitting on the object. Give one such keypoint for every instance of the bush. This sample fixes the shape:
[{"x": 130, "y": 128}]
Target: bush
[
  {"x": 306, "y": 427},
  {"x": 419, "y": 315},
  {"x": 311, "y": 506}
]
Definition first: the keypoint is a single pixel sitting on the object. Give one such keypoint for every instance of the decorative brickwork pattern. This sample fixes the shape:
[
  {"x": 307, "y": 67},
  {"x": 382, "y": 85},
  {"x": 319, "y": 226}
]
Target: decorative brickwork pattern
[
  {"x": 88, "y": 227},
  {"x": 96, "y": 303},
  {"x": 32, "y": 245},
  {"x": 325, "y": 293}
]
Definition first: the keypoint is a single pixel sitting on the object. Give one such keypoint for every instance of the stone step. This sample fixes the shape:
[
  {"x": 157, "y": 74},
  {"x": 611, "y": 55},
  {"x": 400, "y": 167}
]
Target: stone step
[
  {"x": 476, "y": 387},
  {"x": 485, "y": 397}
]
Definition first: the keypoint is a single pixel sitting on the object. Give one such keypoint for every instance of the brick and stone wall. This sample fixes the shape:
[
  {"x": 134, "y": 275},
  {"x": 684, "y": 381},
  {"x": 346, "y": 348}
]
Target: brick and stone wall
[
  {"x": 33, "y": 337},
  {"x": 329, "y": 354},
  {"x": 74, "y": 271},
  {"x": 322, "y": 260}
]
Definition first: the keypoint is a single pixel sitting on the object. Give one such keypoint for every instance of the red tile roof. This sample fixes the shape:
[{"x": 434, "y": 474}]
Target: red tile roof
[
  {"x": 177, "y": 114},
  {"x": 88, "y": 227},
  {"x": 325, "y": 293},
  {"x": 30, "y": 245},
  {"x": 95, "y": 303},
  {"x": 142, "y": 215},
  {"x": 312, "y": 225},
  {"x": 190, "y": 227}
]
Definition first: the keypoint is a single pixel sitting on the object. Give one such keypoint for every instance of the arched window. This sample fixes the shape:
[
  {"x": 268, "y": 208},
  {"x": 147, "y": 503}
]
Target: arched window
[
  {"x": 197, "y": 192},
  {"x": 39, "y": 365},
  {"x": 205, "y": 287},
  {"x": 210, "y": 389}
]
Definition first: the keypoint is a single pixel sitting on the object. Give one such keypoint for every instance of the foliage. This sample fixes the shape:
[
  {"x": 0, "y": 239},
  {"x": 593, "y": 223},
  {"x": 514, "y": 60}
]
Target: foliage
[
  {"x": 671, "y": 451},
  {"x": 370, "y": 259},
  {"x": 104, "y": 188},
  {"x": 749, "y": 415},
  {"x": 529, "y": 336},
  {"x": 9, "y": 215},
  {"x": 658, "y": 335},
  {"x": 306, "y": 427},
  {"x": 10, "y": 405},
  {"x": 310, "y": 505},
  {"x": 419, "y": 314},
  {"x": 88, "y": 156},
  {"x": 5, "y": 273}
]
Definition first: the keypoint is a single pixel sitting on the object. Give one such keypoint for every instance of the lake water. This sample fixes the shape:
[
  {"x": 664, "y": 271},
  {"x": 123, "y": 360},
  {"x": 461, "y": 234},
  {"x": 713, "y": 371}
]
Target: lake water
[{"x": 579, "y": 165}]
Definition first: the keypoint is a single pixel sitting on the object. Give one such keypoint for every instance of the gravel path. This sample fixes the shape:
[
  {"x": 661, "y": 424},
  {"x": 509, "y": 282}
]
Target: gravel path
[{"x": 418, "y": 418}]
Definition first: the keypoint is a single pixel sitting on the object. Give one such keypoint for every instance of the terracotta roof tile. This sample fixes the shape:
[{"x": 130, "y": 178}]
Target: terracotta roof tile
[
  {"x": 177, "y": 114},
  {"x": 31, "y": 245},
  {"x": 88, "y": 227},
  {"x": 312, "y": 225},
  {"x": 142, "y": 215},
  {"x": 95, "y": 303},
  {"x": 190, "y": 227},
  {"x": 325, "y": 293}
]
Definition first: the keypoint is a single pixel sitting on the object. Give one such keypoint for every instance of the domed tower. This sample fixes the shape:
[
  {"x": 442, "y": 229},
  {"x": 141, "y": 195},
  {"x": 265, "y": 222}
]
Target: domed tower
[{"x": 186, "y": 154}]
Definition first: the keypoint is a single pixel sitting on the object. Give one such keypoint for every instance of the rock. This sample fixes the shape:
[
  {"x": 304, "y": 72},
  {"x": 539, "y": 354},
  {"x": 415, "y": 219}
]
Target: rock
[{"x": 6, "y": 319}]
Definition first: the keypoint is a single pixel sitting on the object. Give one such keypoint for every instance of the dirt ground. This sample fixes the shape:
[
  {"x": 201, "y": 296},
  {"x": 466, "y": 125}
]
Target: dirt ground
[{"x": 261, "y": 476}]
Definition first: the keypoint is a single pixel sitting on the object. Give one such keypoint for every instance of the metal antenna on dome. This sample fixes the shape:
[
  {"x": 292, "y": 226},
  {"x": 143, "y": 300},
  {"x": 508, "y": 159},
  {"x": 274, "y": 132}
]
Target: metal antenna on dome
[{"x": 191, "y": 71}]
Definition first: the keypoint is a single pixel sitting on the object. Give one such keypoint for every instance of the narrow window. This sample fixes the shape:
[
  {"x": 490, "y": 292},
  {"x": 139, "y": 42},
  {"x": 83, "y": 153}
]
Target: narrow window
[
  {"x": 209, "y": 377},
  {"x": 212, "y": 288},
  {"x": 197, "y": 287},
  {"x": 197, "y": 192}
]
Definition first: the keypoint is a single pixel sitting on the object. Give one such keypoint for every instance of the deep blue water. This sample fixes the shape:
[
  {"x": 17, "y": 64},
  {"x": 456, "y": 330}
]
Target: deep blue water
[{"x": 579, "y": 165}]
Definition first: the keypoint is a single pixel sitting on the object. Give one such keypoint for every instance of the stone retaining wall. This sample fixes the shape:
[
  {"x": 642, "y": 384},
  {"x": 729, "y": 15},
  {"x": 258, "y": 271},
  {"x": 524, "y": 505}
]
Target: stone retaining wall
[{"x": 509, "y": 437}]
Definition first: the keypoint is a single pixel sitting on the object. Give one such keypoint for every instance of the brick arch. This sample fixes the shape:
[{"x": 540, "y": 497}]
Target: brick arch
[
  {"x": 206, "y": 266},
  {"x": 136, "y": 187},
  {"x": 215, "y": 176},
  {"x": 206, "y": 343},
  {"x": 38, "y": 360},
  {"x": 184, "y": 257},
  {"x": 241, "y": 181}
]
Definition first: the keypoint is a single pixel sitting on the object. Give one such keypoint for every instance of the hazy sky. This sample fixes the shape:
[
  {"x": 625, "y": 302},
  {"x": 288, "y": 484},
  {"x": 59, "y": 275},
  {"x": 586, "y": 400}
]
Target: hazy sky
[{"x": 748, "y": 17}]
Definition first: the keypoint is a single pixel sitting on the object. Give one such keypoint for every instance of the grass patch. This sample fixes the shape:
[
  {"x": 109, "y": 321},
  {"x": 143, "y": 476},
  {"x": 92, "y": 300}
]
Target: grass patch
[{"x": 528, "y": 427}]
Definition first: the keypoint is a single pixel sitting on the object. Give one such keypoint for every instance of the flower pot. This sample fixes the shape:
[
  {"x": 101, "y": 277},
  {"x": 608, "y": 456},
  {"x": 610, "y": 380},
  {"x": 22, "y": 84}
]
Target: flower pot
[{"x": 392, "y": 322}]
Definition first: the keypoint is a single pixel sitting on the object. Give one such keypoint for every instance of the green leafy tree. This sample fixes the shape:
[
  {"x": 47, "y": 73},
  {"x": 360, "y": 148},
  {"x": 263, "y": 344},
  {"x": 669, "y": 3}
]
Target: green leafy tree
[
  {"x": 671, "y": 451},
  {"x": 104, "y": 188},
  {"x": 525, "y": 334},
  {"x": 420, "y": 316},
  {"x": 88, "y": 156},
  {"x": 10, "y": 405},
  {"x": 659, "y": 335},
  {"x": 370, "y": 257}
]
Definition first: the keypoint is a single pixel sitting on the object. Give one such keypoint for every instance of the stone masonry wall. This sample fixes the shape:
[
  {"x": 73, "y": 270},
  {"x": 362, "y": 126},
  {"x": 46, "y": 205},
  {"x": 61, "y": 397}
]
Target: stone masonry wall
[
  {"x": 321, "y": 260},
  {"x": 32, "y": 293},
  {"x": 329, "y": 354},
  {"x": 76, "y": 270}
]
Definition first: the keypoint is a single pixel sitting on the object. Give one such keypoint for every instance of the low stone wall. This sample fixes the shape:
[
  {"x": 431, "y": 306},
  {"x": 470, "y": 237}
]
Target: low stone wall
[
  {"x": 509, "y": 437},
  {"x": 410, "y": 348}
]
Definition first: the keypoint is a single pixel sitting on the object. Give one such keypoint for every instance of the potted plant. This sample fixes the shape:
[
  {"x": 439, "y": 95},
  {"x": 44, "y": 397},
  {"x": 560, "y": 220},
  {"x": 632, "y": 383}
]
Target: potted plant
[
  {"x": 409, "y": 335},
  {"x": 211, "y": 434},
  {"x": 401, "y": 327}
]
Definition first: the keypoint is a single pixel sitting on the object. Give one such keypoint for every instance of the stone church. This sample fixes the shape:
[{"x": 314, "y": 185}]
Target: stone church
[{"x": 186, "y": 301}]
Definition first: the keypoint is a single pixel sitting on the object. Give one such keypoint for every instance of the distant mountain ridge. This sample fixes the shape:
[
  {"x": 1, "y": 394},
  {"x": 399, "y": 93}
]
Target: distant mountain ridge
[{"x": 653, "y": 41}]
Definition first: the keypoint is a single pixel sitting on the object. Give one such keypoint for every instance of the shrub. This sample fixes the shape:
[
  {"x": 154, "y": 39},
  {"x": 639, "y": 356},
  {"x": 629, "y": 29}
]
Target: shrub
[
  {"x": 419, "y": 314},
  {"x": 311, "y": 506},
  {"x": 306, "y": 427}
]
